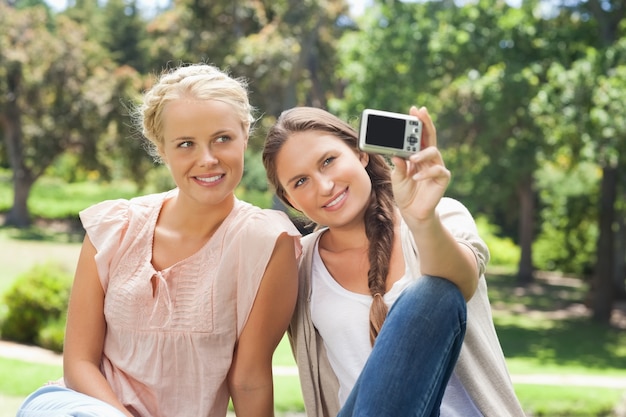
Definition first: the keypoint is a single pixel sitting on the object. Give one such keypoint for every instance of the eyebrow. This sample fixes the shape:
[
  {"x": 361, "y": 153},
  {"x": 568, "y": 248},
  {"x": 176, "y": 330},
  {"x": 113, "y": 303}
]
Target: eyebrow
[
  {"x": 182, "y": 138},
  {"x": 216, "y": 134}
]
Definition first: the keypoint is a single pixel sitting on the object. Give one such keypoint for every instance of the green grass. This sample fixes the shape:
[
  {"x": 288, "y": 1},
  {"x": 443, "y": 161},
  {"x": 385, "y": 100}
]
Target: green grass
[
  {"x": 24, "y": 253},
  {"x": 33, "y": 376},
  {"x": 553, "y": 401},
  {"x": 536, "y": 340},
  {"x": 282, "y": 354},
  {"x": 27, "y": 377},
  {"x": 287, "y": 393},
  {"x": 52, "y": 198}
]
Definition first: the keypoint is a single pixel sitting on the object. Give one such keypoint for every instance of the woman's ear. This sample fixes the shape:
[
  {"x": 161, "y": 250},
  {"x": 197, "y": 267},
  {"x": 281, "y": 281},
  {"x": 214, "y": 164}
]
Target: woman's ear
[
  {"x": 162, "y": 155},
  {"x": 364, "y": 157}
]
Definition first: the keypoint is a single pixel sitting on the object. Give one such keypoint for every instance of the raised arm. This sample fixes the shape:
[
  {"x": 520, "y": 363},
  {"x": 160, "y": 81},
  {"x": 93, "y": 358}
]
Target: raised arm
[
  {"x": 84, "y": 336},
  {"x": 419, "y": 184},
  {"x": 250, "y": 378}
]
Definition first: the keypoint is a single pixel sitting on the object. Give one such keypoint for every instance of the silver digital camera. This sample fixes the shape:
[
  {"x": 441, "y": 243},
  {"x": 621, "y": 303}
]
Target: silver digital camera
[{"x": 388, "y": 133}]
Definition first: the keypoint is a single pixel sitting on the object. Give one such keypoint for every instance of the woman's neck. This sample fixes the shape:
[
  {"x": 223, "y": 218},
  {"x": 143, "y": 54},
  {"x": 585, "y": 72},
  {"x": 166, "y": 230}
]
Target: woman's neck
[
  {"x": 195, "y": 220},
  {"x": 342, "y": 239}
]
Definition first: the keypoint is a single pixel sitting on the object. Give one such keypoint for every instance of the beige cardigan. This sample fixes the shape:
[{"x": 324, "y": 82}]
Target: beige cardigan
[{"x": 481, "y": 366}]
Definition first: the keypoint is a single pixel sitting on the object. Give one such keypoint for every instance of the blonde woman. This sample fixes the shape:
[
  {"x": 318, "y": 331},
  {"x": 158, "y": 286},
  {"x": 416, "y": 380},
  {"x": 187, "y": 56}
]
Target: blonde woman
[{"x": 179, "y": 298}]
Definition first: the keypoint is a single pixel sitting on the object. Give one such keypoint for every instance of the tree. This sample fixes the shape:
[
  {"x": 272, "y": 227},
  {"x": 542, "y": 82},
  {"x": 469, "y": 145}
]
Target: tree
[
  {"x": 124, "y": 34},
  {"x": 292, "y": 59},
  {"x": 286, "y": 48},
  {"x": 55, "y": 95},
  {"x": 608, "y": 116},
  {"x": 580, "y": 108}
]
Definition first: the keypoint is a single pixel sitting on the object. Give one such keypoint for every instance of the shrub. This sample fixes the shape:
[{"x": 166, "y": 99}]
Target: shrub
[
  {"x": 38, "y": 297},
  {"x": 503, "y": 251},
  {"x": 52, "y": 334}
]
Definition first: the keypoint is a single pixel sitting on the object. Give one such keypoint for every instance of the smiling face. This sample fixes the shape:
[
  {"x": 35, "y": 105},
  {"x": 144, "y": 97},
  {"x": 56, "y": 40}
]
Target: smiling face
[
  {"x": 203, "y": 146},
  {"x": 324, "y": 178}
]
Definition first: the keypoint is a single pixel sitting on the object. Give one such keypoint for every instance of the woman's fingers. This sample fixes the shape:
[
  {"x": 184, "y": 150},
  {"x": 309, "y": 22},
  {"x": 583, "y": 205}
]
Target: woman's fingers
[{"x": 429, "y": 132}]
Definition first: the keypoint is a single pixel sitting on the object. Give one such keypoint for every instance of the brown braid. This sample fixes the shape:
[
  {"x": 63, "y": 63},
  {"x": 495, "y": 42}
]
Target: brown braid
[
  {"x": 380, "y": 233},
  {"x": 379, "y": 227}
]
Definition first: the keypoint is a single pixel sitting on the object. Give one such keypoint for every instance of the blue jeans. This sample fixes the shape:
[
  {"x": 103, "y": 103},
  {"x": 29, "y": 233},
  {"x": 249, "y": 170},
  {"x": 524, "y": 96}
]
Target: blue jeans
[
  {"x": 414, "y": 355},
  {"x": 58, "y": 401}
]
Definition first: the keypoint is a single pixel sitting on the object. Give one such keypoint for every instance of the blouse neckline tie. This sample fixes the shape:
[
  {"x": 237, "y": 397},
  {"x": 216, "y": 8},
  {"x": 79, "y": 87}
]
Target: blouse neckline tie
[{"x": 162, "y": 292}]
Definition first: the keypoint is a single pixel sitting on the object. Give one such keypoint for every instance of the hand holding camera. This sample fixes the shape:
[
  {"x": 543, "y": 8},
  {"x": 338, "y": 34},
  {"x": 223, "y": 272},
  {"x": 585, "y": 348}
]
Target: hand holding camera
[{"x": 420, "y": 176}]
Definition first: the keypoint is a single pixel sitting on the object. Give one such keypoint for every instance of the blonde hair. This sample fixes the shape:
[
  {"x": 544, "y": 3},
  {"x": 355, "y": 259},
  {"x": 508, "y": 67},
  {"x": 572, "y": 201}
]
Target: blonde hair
[{"x": 194, "y": 81}]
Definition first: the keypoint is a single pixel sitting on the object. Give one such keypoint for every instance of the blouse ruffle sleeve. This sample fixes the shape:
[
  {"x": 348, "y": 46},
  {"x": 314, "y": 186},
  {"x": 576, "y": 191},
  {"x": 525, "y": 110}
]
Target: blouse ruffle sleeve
[
  {"x": 250, "y": 245},
  {"x": 105, "y": 223}
]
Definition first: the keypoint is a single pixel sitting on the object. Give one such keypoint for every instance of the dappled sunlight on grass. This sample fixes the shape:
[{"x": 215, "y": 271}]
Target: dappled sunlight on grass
[
  {"x": 547, "y": 324},
  {"x": 541, "y": 295},
  {"x": 569, "y": 342},
  {"x": 46, "y": 234}
]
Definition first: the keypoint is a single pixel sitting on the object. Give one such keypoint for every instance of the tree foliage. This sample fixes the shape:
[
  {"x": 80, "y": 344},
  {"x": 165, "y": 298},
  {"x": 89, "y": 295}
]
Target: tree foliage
[{"x": 528, "y": 101}]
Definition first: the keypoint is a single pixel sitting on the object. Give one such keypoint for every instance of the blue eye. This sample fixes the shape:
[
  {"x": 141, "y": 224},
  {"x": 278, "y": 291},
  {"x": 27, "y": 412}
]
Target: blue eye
[
  {"x": 223, "y": 139},
  {"x": 328, "y": 160},
  {"x": 300, "y": 182},
  {"x": 185, "y": 144}
]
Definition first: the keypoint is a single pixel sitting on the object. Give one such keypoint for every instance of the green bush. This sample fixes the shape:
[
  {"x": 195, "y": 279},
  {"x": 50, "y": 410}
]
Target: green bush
[
  {"x": 503, "y": 251},
  {"x": 569, "y": 218},
  {"x": 37, "y": 299},
  {"x": 52, "y": 334}
]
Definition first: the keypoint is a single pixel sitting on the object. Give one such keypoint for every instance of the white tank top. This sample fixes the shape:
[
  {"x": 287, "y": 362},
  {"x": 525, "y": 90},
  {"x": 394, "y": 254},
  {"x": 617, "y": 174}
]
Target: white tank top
[{"x": 342, "y": 319}]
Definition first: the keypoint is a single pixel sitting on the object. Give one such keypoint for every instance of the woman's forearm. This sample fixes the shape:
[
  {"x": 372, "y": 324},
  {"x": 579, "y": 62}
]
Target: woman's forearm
[
  {"x": 253, "y": 396},
  {"x": 443, "y": 256},
  {"x": 86, "y": 378}
]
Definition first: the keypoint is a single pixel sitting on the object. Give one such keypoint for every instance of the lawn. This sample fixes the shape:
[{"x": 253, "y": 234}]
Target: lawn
[
  {"x": 544, "y": 329},
  {"x": 30, "y": 376}
]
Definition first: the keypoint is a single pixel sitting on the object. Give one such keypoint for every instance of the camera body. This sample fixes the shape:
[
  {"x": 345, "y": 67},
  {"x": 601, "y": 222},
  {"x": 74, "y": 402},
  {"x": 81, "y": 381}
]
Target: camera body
[{"x": 388, "y": 133}]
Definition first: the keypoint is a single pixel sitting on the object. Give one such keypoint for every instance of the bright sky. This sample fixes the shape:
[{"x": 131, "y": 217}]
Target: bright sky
[
  {"x": 356, "y": 5},
  {"x": 62, "y": 4}
]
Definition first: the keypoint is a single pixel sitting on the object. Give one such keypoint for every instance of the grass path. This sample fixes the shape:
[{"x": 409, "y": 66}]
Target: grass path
[
  {"x": 9, "y": 405},
  {"x": 18, "y": 256},
  {"x": 24, "y": 254}
]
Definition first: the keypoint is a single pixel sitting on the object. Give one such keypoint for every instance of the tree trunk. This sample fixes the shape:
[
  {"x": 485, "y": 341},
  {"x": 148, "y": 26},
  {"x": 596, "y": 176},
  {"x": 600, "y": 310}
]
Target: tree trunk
[
  {"x": 602, "y": 288},
  {"x": 19, "y": 216},
  {"x": 526, "y": 231},
  {"x": 619, "y": 260},
  {"x": 11, "y": 121}
]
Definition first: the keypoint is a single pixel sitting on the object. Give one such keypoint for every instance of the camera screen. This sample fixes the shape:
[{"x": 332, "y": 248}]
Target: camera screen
[{"x": 385, "y": 131}]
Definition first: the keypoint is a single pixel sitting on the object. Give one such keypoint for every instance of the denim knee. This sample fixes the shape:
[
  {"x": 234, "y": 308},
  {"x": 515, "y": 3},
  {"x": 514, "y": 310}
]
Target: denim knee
[{"x": 438, "y": 298}]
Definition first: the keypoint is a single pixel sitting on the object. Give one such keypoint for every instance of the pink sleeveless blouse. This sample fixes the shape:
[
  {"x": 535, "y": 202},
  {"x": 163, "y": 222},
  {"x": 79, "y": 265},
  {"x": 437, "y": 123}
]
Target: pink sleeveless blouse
[{"x": 167, "y": 351}]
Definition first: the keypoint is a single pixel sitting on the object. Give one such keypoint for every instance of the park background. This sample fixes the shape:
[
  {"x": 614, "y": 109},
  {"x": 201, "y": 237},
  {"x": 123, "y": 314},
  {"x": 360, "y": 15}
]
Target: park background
[{"x": 529, "y": 101}]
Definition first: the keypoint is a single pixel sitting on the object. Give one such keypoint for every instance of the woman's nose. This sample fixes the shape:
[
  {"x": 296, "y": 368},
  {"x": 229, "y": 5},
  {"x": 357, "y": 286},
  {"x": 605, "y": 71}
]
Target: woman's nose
[
  {"x": 326, "y": 185},
  {"x": 207, "y": 157}
]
